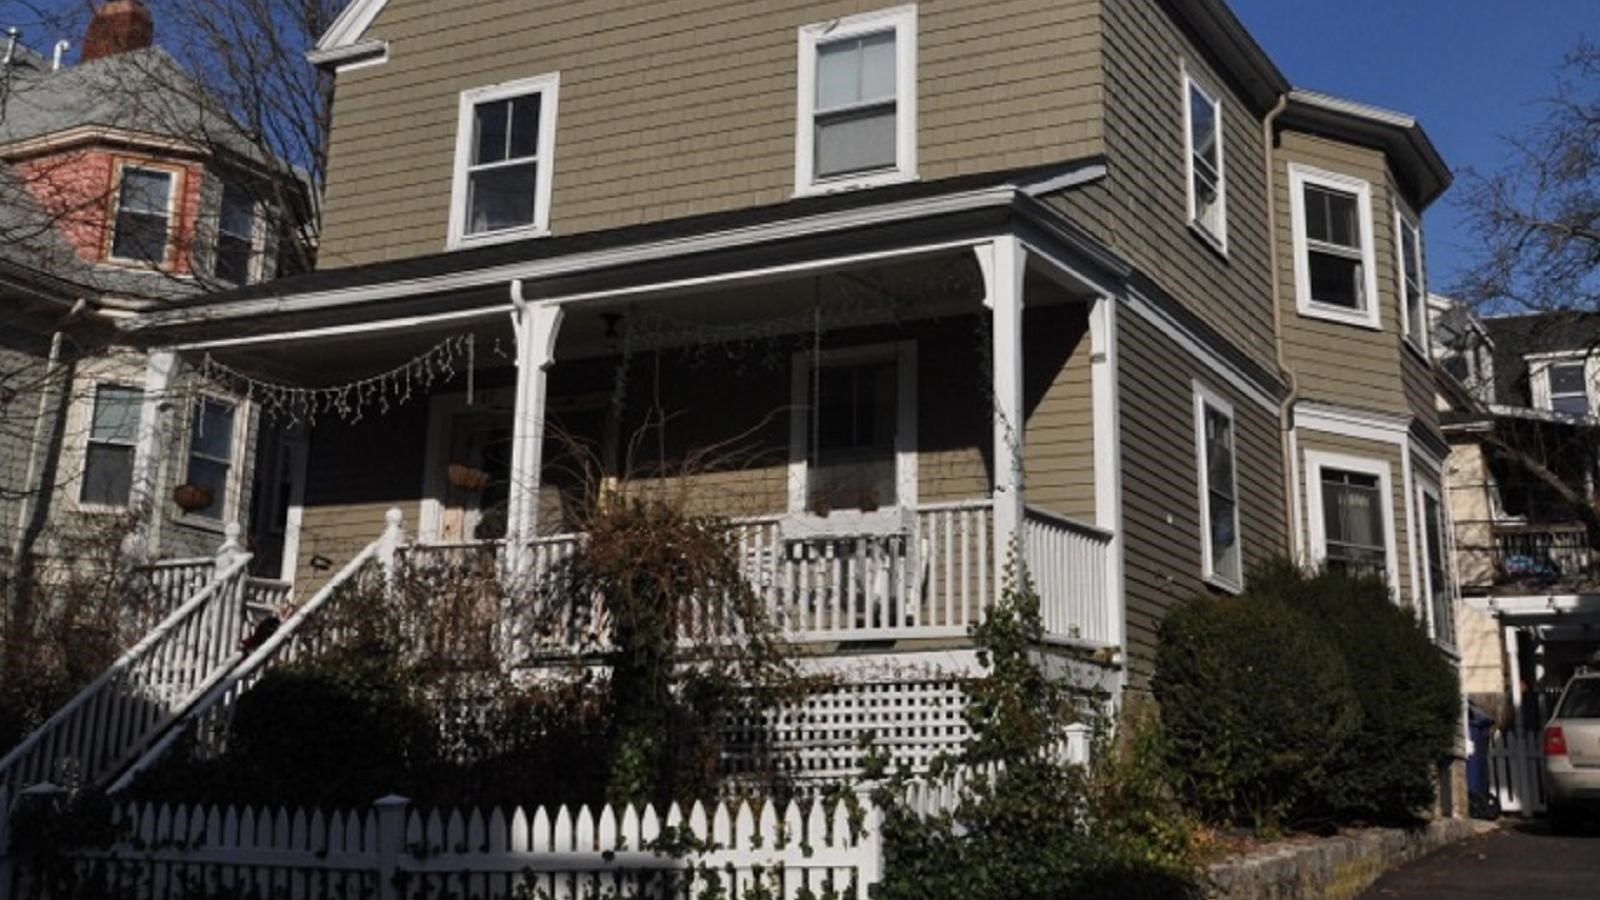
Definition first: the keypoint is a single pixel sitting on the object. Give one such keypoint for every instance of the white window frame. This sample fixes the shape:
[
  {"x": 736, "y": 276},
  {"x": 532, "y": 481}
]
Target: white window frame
[
  {"x": 548, "y": 86},
  {"x": 902, "y": 20},
  {"x": 252, "y": 273},
  {"x": 904, "y": 353},
  {"x": 175, "y": 190},
  {"x": 1539, "y": 366},
  {"x": 1405, "y": 219},
  {"x": 1191, "y": 84},
  {"x": 1299, "y": 177},
  {"x": 1427, "y": 488},
  {"x": 80, "y": 421},
  {"x": 1204, "y": 397},
  {"x": 1315, "y": 462},
  {"x": 233, "y": 485}
]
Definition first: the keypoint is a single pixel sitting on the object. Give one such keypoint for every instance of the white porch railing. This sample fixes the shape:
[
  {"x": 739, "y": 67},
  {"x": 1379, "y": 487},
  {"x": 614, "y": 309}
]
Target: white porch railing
[
  {"x": 173, "y": 581},
  {"x": 111, "y": 719},
  {"x": 1067, "y": 565}
]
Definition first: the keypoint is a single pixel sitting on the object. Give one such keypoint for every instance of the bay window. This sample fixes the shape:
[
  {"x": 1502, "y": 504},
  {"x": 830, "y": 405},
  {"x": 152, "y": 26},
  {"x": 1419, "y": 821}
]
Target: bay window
[{"x": 1334, "y": 272}]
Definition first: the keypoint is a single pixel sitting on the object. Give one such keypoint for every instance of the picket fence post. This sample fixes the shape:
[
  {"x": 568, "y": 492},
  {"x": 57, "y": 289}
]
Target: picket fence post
[
  {"x": 5, "y": 843},
  {"x": 391, "y": 817},
  {"x": 869, "y": 848}
]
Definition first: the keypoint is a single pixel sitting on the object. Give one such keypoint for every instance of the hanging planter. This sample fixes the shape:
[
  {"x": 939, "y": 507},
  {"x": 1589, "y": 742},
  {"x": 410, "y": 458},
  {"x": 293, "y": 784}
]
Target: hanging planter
[
  {"x": 467, "y": 478},
  {"x": 192, "y": 497}
]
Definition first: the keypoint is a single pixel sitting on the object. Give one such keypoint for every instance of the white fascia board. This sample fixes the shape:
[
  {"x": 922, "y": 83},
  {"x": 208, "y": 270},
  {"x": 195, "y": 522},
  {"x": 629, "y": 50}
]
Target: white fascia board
[{"x": 350, "y": 25}]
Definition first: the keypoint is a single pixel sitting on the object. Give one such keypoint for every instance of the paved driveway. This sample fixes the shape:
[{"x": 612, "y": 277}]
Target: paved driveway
[{"x": 1519, "y": 860}]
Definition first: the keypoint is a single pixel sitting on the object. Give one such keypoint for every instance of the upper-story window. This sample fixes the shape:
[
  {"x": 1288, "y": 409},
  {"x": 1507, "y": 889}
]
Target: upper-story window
[
  {"x": 108, "y": 453},
  {"x": 505, "y": 148},
  {"x": 144, "y": 215},
  {"x": 1568, "y": 388},
  {"x": 1219, "y": 490},
  {"x": 1334, "y": 273},
  {"x": 1413, "y": 292},
  {"x": 236, "y": 235},
  {"x": 1208, "y": 201},
  {"x": 857, "y": 122}
]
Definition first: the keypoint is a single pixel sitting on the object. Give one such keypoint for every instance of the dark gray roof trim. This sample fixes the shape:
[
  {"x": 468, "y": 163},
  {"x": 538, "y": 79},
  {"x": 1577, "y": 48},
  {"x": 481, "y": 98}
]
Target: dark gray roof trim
[{"x": 1235, "y": 49}]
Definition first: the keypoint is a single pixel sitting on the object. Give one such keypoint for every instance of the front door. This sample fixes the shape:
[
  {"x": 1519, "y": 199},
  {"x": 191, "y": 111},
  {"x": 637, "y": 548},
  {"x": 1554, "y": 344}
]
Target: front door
[{"x": 478, "y": 477}]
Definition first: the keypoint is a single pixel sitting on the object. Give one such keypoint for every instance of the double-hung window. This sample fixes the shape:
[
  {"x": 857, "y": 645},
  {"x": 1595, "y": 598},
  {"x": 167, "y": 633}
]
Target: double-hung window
[
  {"x": 144, "y": 215},
  {"x": 857, "y": 107},
  {"x": 1569, "y": 389},
  {"x": 1334, "y": 272},
  {"x": 236, "y": 235},
  {"x": 1413, "y": 295},
  {"x": 108, "y": 453},
  {"x": 505, "y": 153},
  {"x": 1219, "y": 490},
  {"x": 1207, "y": 188},
  {"x": 1436, "y": 575},
  {"x": 211, "y": 453},
  {"x": 1351, "y": 515}
]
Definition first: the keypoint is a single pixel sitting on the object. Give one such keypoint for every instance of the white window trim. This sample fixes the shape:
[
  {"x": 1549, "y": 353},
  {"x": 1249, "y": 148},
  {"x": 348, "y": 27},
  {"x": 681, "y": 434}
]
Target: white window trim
[
  {"x": 1218, "y": 241},
  {"x": 1424, "y": 593},
  {"x": 1404, "y": 218},
  {"x": 549, "y": 87},
  {"x": 234, "y": 487},
  {"x": 1299, "y": 177},
  {"x": 80, "y": 425},
  {"x": 903, "y": 21},
  {"x": 168, "y": 256},
  {"x": 1315, "y": 462},
  {"x": 905, "y": 439},
  {"x": 1204, "y": 397},
  {"x": 1539, "y": 366}
]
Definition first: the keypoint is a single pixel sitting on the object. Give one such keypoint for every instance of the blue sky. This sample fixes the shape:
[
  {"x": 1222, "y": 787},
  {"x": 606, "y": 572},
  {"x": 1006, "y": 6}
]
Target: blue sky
[{"x": 1470, "y": 70}]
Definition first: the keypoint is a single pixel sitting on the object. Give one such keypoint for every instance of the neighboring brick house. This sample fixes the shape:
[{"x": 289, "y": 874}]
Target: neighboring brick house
[{"x": 121, "y": 191}]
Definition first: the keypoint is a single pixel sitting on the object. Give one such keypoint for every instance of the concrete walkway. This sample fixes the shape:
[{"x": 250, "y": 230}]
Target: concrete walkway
[{"x": 1521, "y": 859}]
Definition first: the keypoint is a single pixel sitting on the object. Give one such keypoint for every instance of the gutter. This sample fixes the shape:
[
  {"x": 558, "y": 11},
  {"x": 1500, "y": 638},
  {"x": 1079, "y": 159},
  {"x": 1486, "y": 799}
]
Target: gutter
[{"x": 1290, "y": 380}]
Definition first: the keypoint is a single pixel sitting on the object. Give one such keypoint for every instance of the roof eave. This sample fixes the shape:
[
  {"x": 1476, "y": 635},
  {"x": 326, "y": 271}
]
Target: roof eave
[
  {"x": 1401, "y": 137},
  {"x": 1236, "y": 50}
]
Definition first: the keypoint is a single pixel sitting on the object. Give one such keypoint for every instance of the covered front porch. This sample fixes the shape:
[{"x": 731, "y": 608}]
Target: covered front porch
[{"x": 890, "y": 436}]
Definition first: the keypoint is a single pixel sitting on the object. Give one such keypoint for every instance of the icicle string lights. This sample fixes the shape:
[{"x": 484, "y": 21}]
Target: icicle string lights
[{"x": 350, "y": 402}]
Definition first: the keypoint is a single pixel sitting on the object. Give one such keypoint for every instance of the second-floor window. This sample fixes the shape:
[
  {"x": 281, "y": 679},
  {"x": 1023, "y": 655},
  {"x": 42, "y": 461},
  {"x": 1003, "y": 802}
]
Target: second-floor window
[
  {"x": 857, "y": 107},
  {"x": 108, "y": 453},
  {"x": 504, "y": 161},
  {"x": 1569, "y": 391},
  {"x": 1203, "y": 139},
  {"x": 211, "y": 453},
  {"x": 1413, "y": 296},
  {"x": 144, "y": 215},
  {"x": 1334, "y": 272},
  {"x": 236, "y": 235}
]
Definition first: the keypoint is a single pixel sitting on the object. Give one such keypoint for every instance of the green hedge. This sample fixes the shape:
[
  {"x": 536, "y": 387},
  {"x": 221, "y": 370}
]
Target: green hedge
[{"x": 1311, "y": 698}]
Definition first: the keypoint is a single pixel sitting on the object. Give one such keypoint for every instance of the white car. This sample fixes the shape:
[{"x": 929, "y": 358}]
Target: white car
[{"x": 1572, "y": 751}]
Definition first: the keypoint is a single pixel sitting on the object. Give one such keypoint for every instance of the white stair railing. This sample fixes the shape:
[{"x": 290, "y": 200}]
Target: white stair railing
[
  {"x": 90, "y": 737},
  {"x": 208, "y": 714}
]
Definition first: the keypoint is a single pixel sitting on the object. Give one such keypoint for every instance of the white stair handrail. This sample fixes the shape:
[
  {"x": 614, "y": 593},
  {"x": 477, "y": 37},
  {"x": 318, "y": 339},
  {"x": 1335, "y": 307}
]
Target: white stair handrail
[
  {"x": 252, "y": 666},
  {"x": 123, "y": 663}
]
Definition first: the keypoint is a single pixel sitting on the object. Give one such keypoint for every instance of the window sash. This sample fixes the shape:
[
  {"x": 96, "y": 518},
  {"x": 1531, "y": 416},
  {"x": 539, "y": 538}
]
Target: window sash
[
  {"x": 1216, "y": 439},
  {"x": 140, "y": 216},
  {"x": 111, "y": 443}
]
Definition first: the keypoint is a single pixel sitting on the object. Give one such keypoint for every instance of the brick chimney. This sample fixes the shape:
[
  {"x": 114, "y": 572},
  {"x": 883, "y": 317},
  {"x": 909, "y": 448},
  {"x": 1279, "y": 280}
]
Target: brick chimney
[{"x": 117, "y": 27}]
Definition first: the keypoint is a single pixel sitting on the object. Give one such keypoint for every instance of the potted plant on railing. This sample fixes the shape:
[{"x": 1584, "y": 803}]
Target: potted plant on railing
[{"x": 192, "y": 497}]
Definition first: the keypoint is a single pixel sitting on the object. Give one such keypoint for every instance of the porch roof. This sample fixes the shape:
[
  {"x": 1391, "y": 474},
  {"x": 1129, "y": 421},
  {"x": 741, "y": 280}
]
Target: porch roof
[
  {"x": 1541, "y": 609},
  {"x": 553, "y": 265}
]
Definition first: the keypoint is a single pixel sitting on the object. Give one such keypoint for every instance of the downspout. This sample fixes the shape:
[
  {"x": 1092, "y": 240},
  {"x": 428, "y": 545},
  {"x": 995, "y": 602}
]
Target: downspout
[
  {"x": 31, "y": 473},
  {"x": 1285, "y": 406}
]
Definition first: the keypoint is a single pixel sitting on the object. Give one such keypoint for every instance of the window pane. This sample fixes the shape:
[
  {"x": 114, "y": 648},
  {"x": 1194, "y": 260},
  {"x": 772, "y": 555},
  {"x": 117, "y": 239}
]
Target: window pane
[
  {"x": 877, "y": 67},
  {"x": 212, "y": 433},
  {"x": 116, "y": 414},
  {"x": 1219, "y": 452},
  {"x": 1408, "y": 249},
  {"x": 1331, "y": 217},
  {"x": 1352, "y": 518},
  {"x": 502, "y": 198},
  {"x": 1203, "y": 128},
  {"x": 140, "y": 237},
  {"x": 212, "y": 476},
  {"x": 1572, "y": 405},
  {"x": 1224, "y": 541},
  {"x": 856, "y": 142},
  {"x": 1582, "y": 700},
  {"x": 1567, "y": 379},
  {"x": 856, "y": 70},
  {"x": 107, "y": 475},
  {"x": 237, "y": 215},
  {"x": 144, "y": 190},
  {"x": 489, "y": 130},
  {"x": 233, "y": 259},
  {"x": 525, "y": 126},
  {"x": 853, "y": 458},
  {"x": 1336, "y": 280}
]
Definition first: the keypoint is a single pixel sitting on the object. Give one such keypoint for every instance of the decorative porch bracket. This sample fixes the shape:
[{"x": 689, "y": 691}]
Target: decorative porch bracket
[
  {"x": 536, "y": 327},
  {"x": 1004, "y": 262}
]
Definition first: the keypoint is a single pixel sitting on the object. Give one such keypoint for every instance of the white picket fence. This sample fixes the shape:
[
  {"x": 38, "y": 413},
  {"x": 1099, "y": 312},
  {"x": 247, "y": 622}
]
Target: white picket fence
[
  {"x": 1516, "y": 771},
  {"x": 395, "y": 852}
]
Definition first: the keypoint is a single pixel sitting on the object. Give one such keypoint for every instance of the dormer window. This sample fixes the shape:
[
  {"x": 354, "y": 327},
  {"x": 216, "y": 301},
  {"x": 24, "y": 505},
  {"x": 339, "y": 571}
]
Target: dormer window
[
  {"x": 1335, "y": 277},
  {"x": 857, "y": 107},
  {"x": 236, "y": 236},
  {"x": 143, "y": 216},
  {"x": 504, "y": 153},
  {"x": 1569, "y": 392}
]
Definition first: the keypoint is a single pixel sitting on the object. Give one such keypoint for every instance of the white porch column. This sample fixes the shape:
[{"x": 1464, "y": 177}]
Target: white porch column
[
  {"x": 160, "y": 366},
  {"x": 1004, "y": 262},
  {"x": 536, "y": 327},
  {"x": 1106, "y": 409}
]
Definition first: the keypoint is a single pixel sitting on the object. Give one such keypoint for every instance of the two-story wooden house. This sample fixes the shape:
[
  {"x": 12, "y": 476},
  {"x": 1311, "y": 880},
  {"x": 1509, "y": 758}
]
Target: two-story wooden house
[{"x": 905, "y": 292}]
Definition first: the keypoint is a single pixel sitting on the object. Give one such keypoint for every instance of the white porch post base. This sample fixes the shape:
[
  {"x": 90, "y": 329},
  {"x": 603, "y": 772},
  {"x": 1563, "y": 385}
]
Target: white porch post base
[{"x": 1004, "y": 263}]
